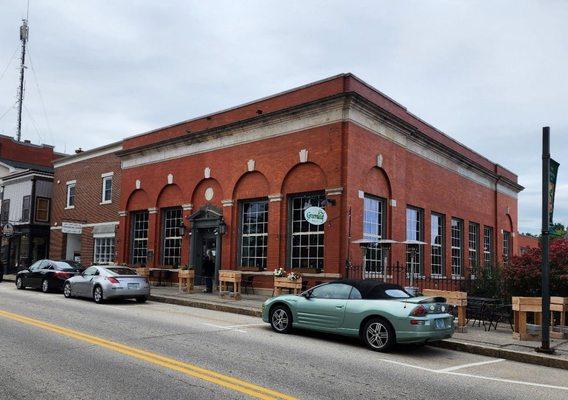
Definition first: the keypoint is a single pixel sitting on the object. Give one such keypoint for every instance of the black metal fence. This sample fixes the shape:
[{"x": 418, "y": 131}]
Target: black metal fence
[{"x": 482, "y": 282}]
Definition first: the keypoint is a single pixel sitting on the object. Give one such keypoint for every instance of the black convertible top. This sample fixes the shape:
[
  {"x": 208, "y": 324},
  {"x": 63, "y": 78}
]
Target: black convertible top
[{"x": 371, "y": 289}]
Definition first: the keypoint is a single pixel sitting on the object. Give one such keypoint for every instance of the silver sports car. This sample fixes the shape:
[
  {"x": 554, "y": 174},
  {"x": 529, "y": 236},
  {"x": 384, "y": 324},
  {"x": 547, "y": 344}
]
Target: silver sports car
[{"x": 103, "y": 283}]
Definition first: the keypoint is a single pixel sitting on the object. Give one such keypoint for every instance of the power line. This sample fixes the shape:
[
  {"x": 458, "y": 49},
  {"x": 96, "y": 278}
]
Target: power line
[
  {"x": 33, "y": 123},
  {"x": 9, "y": 63},
  {"x": 8, "y": 110},
  {"x": 49, "y": 131}
]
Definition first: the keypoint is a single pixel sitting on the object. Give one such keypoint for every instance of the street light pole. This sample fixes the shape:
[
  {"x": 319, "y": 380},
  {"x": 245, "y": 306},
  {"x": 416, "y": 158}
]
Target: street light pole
[{"x": 545, "y": 332}]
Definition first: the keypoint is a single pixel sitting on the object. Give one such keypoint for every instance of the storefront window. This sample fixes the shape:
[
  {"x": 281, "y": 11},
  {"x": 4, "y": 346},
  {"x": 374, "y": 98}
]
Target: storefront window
[
  {"x": 306, "y": 240},
  {"x": 457, "y": 246},
  {"x": 172, "y": 236},
  {"x": 374, "y": 227},
  {"x": 473, "y": 245},
  {"x": 104, "y": 250},
  {"x": 487, "y": 246},
  {"x": 139, "y": 237},
  {"x": 254, "y": 233},
  {"x": 437, "y": 241},
  {"x": 414, "y": 231}
]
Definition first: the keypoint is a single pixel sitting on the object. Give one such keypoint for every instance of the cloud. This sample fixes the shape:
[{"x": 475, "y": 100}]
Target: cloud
[{"x": 490, "y": 74}]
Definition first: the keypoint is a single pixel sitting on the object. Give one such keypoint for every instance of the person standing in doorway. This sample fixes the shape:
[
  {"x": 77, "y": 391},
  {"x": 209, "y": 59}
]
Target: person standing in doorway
[{"x": 209, "y": 270}]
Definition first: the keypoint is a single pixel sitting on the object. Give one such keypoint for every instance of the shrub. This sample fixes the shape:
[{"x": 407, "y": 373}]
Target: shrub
[{"x": 522, "y": 277}]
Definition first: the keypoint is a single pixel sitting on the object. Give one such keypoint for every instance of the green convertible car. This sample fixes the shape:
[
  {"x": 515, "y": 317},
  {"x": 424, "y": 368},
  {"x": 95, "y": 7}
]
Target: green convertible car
[{"x": 381, "y": 314}]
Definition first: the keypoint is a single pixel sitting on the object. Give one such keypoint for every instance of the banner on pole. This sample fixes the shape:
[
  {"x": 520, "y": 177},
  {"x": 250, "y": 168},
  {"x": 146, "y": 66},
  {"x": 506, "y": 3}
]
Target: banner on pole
[{"x": 552, "y": 188}]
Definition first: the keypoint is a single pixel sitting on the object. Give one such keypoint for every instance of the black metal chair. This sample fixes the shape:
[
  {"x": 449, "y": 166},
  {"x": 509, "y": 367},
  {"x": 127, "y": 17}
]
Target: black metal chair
[{"x": 247, "y": 282}]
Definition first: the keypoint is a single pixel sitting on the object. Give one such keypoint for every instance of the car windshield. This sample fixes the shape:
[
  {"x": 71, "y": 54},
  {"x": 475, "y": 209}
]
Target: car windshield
[
  {"x": 62, "y": 266},
  {"x": 396, "y": 293},
  {"x": 121, "y": 271}
]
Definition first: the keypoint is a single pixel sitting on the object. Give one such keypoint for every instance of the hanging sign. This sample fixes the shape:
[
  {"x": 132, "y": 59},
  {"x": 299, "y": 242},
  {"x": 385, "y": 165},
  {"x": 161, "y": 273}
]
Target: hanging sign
[
  {"x": 552, "y": 188},
  {"x": 8, "y": 230},
  {"x": 315, "y": 215}
]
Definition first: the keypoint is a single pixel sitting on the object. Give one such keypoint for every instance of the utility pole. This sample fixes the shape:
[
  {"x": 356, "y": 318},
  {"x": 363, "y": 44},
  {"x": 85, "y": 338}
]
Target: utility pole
[{"x": 24, "y": 39}]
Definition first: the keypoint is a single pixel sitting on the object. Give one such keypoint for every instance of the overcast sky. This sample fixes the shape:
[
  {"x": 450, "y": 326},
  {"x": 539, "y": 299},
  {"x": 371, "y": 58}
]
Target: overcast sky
[{"x": 488, "y": 73}]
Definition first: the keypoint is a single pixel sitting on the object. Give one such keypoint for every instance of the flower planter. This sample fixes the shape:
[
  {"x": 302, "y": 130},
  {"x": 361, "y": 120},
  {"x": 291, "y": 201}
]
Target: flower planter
[
  {"x": 145, "y": 272},
  {"x": 285, "y": 283},
  {"x": 232, "y": 277}
]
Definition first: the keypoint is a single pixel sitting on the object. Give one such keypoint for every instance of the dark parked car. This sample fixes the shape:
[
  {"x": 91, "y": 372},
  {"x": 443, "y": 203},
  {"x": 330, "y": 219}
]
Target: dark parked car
[{"x": 46, "y": 275}]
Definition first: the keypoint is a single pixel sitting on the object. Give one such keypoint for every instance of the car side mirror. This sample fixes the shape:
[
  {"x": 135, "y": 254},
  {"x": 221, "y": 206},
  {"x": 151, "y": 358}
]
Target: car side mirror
[{"x": 307, "y": 294}]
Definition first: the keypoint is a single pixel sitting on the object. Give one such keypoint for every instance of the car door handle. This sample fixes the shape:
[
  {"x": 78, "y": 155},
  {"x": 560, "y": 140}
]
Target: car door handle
[{"x": 339, "y": 307}]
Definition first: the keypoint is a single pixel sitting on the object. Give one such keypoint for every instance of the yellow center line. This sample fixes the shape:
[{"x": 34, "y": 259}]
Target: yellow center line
[{"x": 188, "y": 369}]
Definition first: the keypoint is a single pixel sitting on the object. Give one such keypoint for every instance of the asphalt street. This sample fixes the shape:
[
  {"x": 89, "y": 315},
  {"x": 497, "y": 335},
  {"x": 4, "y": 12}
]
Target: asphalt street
[{"x": 57, "y": 348}]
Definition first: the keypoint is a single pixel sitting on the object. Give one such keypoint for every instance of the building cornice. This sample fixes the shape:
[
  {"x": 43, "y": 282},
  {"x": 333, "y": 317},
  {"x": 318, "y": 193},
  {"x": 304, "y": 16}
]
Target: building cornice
[{"x": 88, "y": 154}]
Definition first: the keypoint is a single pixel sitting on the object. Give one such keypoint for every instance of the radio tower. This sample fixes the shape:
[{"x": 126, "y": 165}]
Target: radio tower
[{"x": 24, "y": 40}]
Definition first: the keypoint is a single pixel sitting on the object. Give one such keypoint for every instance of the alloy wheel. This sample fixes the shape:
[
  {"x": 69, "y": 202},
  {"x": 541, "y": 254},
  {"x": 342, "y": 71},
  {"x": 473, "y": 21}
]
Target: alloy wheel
[
  {"x": 98, "y": 295},
  {"x": 67, "y": 290},
  {"x": 280, "y": 320},
  {"x": 45, "y": 286},
  {"x": 19, "y": 283},
  {"x": 377, "y": 335}
]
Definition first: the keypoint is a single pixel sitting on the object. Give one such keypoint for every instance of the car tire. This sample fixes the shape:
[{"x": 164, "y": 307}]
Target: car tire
[
  {"x": 67, "y": 290},
  {"x": 142, "y": 299},
  {"x": 20, "y": 283},
  {"x": 281, "y": 319},
  {"x": 378, "y": 334},
  {"x": 98, "y": 296},
  {"x": 45, "y": 286}
]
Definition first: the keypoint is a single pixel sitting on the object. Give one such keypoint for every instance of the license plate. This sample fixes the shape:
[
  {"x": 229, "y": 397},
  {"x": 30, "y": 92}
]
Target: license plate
[
  {"x": 440, "y": 323},
  {"x": 133, "y": 285}
]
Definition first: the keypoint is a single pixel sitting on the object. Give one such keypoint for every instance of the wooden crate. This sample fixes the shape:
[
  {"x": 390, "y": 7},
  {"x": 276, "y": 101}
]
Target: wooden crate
[
  {"x": 457, "y": 299},
  {"x": 186, "y": 280},
  {"x": 285, "y": 283},
  {"x": 232, "y": 277}
]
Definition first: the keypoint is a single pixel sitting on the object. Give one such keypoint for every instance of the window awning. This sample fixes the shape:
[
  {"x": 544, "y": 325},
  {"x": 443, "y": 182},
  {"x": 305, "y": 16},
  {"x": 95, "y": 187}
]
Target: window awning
[{"x": 106, "y": 230}]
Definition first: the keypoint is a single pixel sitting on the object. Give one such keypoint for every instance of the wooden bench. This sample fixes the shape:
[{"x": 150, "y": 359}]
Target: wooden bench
[
  {"x": 456, "y": 299},
  {"x": 227, "y": 277},
  {"x": 285, "y": 283}
]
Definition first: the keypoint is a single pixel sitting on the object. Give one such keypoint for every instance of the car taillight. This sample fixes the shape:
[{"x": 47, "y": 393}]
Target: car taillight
[
  {"x": 419, "y": 311},
  {"x": 112, "y": 280},
  {"x": 62, "y": 275}
]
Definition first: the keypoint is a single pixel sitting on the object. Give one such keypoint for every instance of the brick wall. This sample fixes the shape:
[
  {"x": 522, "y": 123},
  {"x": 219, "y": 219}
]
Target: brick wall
[
  {"x": 11, "y": 149},
  {"x": 88, "y": 209}
]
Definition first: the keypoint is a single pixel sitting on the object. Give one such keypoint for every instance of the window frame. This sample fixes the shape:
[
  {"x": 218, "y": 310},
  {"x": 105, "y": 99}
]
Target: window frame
[
  {"x": 70, "y": 198},
  {"x": 179, "y": 237},
  {"x": 507, "y": 242},
  {"x": 488, "y": 250},
  {"x": 320, "y": 231},
  {"x": 457, "y": 246},
  {"x": 374, "y": 255},
  {"x": 47, "y": 209},
  {"x": 26, "y": 209},
  {"x": 241, "y": 235},
  {"x": 5, "y": 212},
  {"x": 441, "y": 246},
  {"x": 420, "y": 237},
  {"x": 112, "y": 253},
  {"x": 473, "y": 233},
  {"x": 106, "y": 178},
  {"x": 134, "y": 258}
]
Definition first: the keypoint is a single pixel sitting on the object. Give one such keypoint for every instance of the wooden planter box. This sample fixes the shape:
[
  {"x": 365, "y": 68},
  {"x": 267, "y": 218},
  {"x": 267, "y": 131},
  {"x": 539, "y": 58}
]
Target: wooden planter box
[
  {"x": 457, "y": 299},
  {"x": 145, "y": 272},
  {"x": 186, "y": 280},
  {"x": 521, "y": 306},
  {"x": 285, "y": 283},
  {"x": 232, "y": 277},
  {"x": 559, "y": 305}
]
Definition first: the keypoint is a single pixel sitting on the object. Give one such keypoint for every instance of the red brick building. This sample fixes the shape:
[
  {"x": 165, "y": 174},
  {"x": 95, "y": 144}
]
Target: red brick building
[
  {"x": 239, "y": 182},
  {"x": 86, "y": 193}
]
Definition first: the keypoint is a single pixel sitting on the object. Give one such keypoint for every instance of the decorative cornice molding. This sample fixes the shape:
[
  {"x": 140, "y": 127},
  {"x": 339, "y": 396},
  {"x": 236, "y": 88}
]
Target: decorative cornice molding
[
  {"x": 122, "y": 213},
  {"x": 153, "y": 210},
  {"x": 187, "y": 207},
  {"x": 227, "y": 203}
]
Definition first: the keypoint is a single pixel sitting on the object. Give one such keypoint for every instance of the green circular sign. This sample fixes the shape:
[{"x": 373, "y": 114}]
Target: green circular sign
[{"x": 315, "y": 215}]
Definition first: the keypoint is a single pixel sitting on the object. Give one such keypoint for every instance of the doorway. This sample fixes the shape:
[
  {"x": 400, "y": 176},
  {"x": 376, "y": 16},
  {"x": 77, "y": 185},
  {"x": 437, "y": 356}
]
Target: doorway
[{"x": 206, "y": 241}]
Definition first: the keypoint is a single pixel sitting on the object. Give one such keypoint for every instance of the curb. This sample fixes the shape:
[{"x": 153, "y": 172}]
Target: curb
[
  {"x": 208, "y": 306},
  {"x": 496, "y": 352}
]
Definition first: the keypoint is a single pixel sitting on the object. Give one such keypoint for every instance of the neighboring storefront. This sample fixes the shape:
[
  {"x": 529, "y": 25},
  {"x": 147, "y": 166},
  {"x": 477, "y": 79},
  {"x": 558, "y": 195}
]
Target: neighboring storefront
[
  {"x": 25, "y": 213},
  {"x": 85, "y": 206},
  {"x": 303, "y": 179}
]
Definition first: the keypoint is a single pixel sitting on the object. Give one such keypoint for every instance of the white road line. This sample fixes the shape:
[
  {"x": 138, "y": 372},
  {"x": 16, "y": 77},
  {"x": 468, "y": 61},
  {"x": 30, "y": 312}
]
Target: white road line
[
  {"x": 502, "y": 380},
  {"x": 470, "y": 365},
  {"x": 228, "y": 328}
]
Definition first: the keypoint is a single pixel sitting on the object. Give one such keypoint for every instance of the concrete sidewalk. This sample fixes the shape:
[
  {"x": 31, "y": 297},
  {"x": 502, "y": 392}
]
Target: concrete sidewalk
[{"x": 497, "y": 343}]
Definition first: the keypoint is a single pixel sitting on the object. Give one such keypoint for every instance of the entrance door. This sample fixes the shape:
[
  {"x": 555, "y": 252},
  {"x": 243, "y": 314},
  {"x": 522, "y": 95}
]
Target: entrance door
[{"x": 207, "y": 241}]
